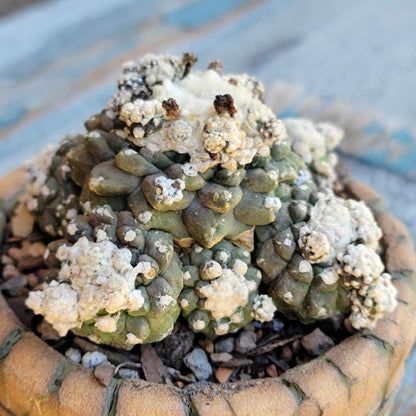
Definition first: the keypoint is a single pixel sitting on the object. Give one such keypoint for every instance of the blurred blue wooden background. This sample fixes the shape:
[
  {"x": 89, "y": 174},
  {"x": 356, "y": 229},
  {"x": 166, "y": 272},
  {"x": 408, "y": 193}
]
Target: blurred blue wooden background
[{"x": 352, "y": 62}]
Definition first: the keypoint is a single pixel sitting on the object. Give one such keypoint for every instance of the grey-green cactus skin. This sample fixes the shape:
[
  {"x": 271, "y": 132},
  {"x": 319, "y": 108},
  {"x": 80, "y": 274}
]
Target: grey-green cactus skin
[
  {"x": 105, "y": 167},
  {"x": 295, "y": 284},
  {"x": 207, "y": 274},
  {"x": 58, "y": 199},
  {"x": 231, "y": 202},
  {"x": 155, "y": 319}
]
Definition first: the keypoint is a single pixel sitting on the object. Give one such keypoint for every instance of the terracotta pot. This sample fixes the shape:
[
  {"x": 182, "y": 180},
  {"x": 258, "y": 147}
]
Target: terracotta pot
[{"x": 357, "y": 377}]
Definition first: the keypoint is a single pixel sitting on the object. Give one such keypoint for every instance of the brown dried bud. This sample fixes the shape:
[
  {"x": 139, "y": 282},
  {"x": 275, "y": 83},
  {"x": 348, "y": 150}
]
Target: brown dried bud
[
  {"x": 172, "y": 109},
  {"x": 233, "y": 81},
  {"x": 224, "y": 103},
  {"x": 217, "y": 66},
  {"x": 214, "y": 156},
  {"x": 189, "y": 60}
]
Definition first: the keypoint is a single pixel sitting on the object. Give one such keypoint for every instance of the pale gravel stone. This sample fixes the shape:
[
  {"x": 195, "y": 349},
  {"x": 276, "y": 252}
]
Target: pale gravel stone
[
  {"x": 93, "y": 359},
  {"x": 128, "y": 373},
  {"x": 197, "y": 362},
  {"x": 73, "y": 354},
  {"x": 245, "y": 342},
  {"x": 317, "y": 343}
]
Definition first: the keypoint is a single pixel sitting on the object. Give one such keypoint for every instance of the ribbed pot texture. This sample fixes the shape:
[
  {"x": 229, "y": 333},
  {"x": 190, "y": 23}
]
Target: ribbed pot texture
[{"x": 359, "y": 376}]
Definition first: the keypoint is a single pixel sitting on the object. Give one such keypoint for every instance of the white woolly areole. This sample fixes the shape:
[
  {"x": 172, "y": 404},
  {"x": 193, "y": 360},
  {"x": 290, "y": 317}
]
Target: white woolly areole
[
  {"x": 107, "y": 323},
  {"x": 226, "y": 293},
  {"x": 200, "y": 130},
  {"x": 145, "y": 217},
  {"x": 313, "y": 141},
  {"x": 133, "y": 339},
  {"x": 328, "y": 230},
  {"x": 36, "y": 175},
  {"x": 222, "y": 329},
  {"x": 94, "y": 276},
  {"x": 37, "y": 170},
  {"x": 334, "y": 224},
  {"x": 263, "y": 308},
  {"x": 272, "y": 203},
  {"x": 189, "y": 170},
  {"x": 168, "y": 191},
  {"x": 329, "y": 276},
  {"x": 365, "y": 226}
]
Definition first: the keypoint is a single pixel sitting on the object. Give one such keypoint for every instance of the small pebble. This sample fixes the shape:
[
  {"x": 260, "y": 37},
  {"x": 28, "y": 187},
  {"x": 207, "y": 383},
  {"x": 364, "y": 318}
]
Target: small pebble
[
  {"x": 47, "y": 331},
  {"x": 223, "y": 374},
  {"x": 104, "y": 373},
  {"x": 286, "y": 353},
  {"x": 245, "y": 377},
  {"x": 73, "y": 355},
  {"x": 6, "y": 260},
  {"x": 32, "y": 280},
  {"x": 197, "y": 362},
  {"x": 348, "y": 326},
  {"x": 250, "y": 327},
  {"x": 207, "y": 345},
  {"x": 14, "y": 285},
  {"x": 92, "y": 359},
  {"x": 128, "y": 373},
  {"x": 296, "y": 347},
  {"x": 22, "y": 222},
  {"x": 14, "y": 253},
  {"x": 333, "y": 324},
  {"x": 225, "y": 345},
  {"x": 245, "y": 342},
  {"x": 9, "y": 271},
  {"x": 317, "y": 343},
  {"x": 221, "y": 357},
  {"x": 271, "y": 370},
  {"x": 37, "y": 249}
]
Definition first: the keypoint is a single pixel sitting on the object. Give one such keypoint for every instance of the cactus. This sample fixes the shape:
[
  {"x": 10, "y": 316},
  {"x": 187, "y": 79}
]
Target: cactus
[
  {"x": 315, "y": 143},
  {"x": 221, "y": 289},
  {"x": 321, "y": 259},
  {"x": 190, "y": 176},
  {"x": 116, "y": 282}
]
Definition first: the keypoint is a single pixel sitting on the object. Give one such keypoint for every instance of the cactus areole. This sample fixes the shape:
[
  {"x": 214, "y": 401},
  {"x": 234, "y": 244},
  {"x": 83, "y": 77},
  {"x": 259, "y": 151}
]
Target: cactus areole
[{"x": 187, "y": 195}]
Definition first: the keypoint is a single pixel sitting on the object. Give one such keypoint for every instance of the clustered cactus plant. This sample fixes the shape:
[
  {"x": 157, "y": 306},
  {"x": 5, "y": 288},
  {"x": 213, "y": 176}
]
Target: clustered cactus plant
[{"x": 187, "y": 195}]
